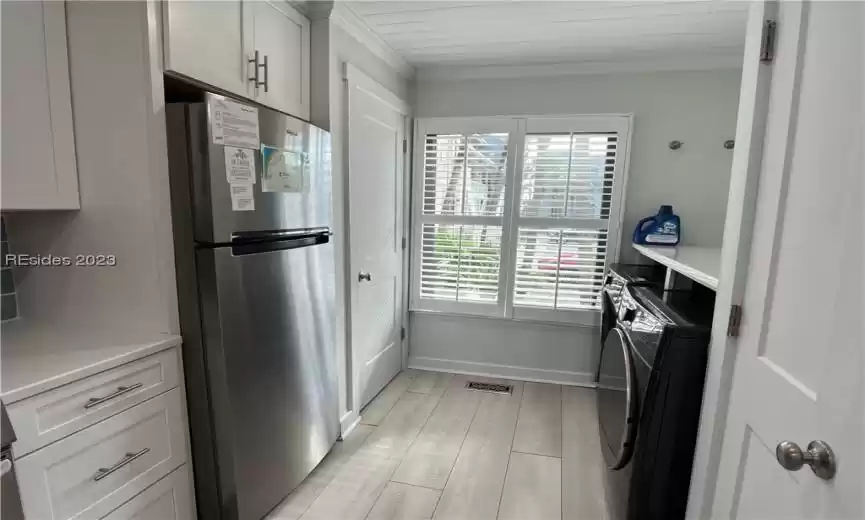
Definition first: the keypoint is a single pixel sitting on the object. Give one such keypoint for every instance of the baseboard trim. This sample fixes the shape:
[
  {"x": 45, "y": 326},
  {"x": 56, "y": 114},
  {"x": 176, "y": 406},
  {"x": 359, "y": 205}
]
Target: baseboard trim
[
  {"x": 348, "y": 423},
  {"x": 473, "y": 368}
]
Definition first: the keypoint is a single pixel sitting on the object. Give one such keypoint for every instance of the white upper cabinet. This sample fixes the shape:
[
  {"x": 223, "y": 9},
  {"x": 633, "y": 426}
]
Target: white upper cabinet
[
  {"x": 39, "y": 170},
  {"x": 216, "y": 43},
  {"x": 204, "y": 40},
  {"x": 281, "y": 37}
]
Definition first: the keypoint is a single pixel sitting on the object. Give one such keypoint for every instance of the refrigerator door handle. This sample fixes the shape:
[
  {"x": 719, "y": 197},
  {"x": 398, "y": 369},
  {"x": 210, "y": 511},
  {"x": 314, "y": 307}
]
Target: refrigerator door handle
[{"x": 266, "y": 246}]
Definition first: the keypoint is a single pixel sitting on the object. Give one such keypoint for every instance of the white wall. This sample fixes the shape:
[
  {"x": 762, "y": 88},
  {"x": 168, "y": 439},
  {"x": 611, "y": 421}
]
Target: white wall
[
  {"x": 696, "y": 107},
  {"x": 328, "y": 70},
  {"x": 123, "y": 184}
]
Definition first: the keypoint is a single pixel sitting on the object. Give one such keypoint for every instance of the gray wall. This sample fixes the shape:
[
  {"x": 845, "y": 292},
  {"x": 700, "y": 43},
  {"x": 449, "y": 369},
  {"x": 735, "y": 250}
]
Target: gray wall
[
  {"x": 696, "y": 107},
  {"x": 123, "y": 185},
  {"x": 506, "y": 348},
  {"x": 8, "y": 299},
  {"x": 327, "y": 72}
]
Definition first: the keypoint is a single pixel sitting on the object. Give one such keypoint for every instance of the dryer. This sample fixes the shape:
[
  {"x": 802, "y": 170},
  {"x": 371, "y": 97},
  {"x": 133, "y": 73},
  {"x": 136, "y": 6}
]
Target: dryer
[
  {"x": 650, "y": 389},
  {"x": 619, "y": 275}
]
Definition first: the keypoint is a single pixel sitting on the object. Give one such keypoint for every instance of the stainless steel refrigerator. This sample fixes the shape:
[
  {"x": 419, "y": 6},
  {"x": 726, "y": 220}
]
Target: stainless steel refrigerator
[{"x": 251, "y": 210}]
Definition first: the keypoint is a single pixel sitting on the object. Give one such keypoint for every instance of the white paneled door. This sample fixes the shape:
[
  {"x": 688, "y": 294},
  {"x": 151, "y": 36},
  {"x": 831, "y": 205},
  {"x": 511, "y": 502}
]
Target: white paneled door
[
  {"x": 799, "y": 370},
  {"x": 376, "y": 120}
]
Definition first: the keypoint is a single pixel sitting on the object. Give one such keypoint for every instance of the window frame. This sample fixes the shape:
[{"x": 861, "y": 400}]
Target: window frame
[{"x": 517, "y": 128}]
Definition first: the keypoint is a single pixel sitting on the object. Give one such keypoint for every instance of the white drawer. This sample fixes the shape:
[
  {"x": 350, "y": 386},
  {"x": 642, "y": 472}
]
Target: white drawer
[
  {"x": 168, "y": 499},
  {"x": 52, "y": 415},
  {"x": 92, "y": 472}
]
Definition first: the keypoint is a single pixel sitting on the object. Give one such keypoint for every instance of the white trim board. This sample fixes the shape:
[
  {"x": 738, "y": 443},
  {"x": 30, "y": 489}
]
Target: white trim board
[
  {"x": 361, "y": 80},
  {"x": 456, "y": 72},
  {"x": 350, "y": 22},
  {"x": 472, "y": 368},
  {"x": 348, "y": 423}
]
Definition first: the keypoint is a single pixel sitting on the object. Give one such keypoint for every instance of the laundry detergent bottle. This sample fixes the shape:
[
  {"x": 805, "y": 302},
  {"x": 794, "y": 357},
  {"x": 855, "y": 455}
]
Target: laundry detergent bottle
[{"x": 665, "y": 228}]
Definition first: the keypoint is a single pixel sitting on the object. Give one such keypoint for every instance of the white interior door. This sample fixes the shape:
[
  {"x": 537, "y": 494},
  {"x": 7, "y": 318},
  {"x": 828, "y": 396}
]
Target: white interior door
[
  {"x": 799, "y": 370},
  {"x": 376, "y": 162}
]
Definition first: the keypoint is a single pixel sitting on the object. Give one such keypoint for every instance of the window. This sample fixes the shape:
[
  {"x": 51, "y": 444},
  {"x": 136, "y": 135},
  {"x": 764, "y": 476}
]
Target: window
[{"x": 516, "y": 217}]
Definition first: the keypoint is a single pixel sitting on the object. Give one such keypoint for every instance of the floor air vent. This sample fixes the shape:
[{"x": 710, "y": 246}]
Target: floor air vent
[{"x": 490, "y": 387}]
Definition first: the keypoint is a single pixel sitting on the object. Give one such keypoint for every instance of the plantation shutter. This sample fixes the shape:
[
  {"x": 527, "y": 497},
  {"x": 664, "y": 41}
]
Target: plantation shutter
[
  {"x": 565, "y": 203},
  {"x": 461, "y": 219},
  {"x": 516, "y": 217}
]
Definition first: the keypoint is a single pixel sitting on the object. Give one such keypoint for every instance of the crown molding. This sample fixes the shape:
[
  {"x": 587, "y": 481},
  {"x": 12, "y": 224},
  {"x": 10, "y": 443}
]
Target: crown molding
[
  {"x": 458, "y": 72},
  {"x": 350, "y": 22}
]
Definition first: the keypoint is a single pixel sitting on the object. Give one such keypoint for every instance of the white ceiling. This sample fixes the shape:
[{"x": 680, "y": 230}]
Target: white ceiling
[{"x": 491, "y": 32}]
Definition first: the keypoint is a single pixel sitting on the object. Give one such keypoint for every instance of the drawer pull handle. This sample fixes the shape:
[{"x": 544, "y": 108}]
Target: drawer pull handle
[
  {"x": 104, "y": 472},
  {"x": 93, "y": 401}
]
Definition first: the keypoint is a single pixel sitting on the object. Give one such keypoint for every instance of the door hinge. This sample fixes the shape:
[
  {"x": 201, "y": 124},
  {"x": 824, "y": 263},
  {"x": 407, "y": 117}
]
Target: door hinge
[
  {"x": 402, "y": 333},
  {"x": 404, "y": 146},
  {"x": 767, "y": 46},
  {"x": 403, "y": 242},
  {"x": 735, "y": 321}
]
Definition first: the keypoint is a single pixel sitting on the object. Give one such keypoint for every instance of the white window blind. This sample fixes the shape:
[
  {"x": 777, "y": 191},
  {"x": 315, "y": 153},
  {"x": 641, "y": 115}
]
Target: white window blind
[
  {"x": 460, "y": 262},
  {"x": 516, "y": 235},
  {"x": 565, "y": 201}
]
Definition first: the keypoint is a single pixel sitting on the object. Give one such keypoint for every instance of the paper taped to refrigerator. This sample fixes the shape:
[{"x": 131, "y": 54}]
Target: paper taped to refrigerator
[
  {"x": 282, "y": 170},
  {"x": 242, "y": 197},
  {"x": 233, "y": 124},
  {"x": 239, "y": 165}
]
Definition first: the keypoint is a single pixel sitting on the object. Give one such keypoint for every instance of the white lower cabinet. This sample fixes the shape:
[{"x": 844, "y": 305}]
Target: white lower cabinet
[
  {"x": 168, "y": 499},
  {"x": 96, "y": 470},
  {"x": 57, "y": 413}
]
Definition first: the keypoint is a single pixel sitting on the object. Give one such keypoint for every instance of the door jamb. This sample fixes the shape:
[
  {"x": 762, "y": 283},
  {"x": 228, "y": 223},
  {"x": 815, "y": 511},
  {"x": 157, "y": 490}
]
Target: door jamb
[
  {"x": 354, "y": 76},
  {"x": 735, "y": 258}
]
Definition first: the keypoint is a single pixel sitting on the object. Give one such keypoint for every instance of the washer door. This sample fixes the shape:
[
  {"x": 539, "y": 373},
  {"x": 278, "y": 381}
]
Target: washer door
[{"x": 618, "y": 402}]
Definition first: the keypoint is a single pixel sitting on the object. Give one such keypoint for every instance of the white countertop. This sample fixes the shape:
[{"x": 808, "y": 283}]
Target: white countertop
[
  {"x": 701, "y": 264},
  {"x": 34, "y": 360}
]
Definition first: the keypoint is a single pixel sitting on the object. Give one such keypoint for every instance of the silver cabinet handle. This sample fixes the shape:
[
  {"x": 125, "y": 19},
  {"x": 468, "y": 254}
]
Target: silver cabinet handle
[
  {"x": 94, "y": 401},
  {"x": 819, "y": 456},
  {"x": 104, "y": 472},
  {"x": 266, "y": 68},
  {"x": 362, "y": 276},
  {"x": 255, "y": 61}
]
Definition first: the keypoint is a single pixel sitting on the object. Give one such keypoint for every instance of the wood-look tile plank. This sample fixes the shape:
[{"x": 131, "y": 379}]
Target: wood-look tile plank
[
  {"x": 434, "y": 383},
  {"x": 431, "y": 457},
  {"x": 539, "y": 428},
  {"x": 583, "y": 468},
  {"x": 404, "y": 502},
  {"x": 475, "y": 484},
  {"x": 359, "y": 482},
  {"x": 533, "y": 488},
  {"x": 303, "y": 495},
  {"x": 377, "y": 409}
]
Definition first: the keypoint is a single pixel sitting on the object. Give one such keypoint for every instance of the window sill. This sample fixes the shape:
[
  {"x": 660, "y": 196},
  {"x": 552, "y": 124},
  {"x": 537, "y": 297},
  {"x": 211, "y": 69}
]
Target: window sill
[{"x": 584, "y": 319}]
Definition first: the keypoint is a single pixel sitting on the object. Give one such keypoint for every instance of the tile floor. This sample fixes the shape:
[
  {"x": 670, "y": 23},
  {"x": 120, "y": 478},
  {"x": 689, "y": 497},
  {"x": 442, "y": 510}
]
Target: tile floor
[{"x": 427, "y": 447}]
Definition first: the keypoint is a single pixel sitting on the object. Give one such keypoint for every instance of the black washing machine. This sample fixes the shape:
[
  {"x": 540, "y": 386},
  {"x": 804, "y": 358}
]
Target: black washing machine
[
  {"x": 650, "y": 390},
  {"x": 619, "y": 275}
]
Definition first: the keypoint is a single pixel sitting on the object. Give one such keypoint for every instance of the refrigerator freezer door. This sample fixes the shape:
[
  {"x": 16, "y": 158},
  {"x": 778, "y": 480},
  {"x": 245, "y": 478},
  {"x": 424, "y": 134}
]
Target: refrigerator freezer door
[
  {"x": 268, "y": 322},
  {"x": 292, "y": 187}
]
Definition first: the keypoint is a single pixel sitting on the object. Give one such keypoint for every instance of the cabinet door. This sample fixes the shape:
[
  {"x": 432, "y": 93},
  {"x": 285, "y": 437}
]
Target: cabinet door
[
  {"x": 281, "y": 34},
  {"x": 168, "y": 499},
  {"x": 204, "y": 40},
  {"x": 39, "y": 169}
]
